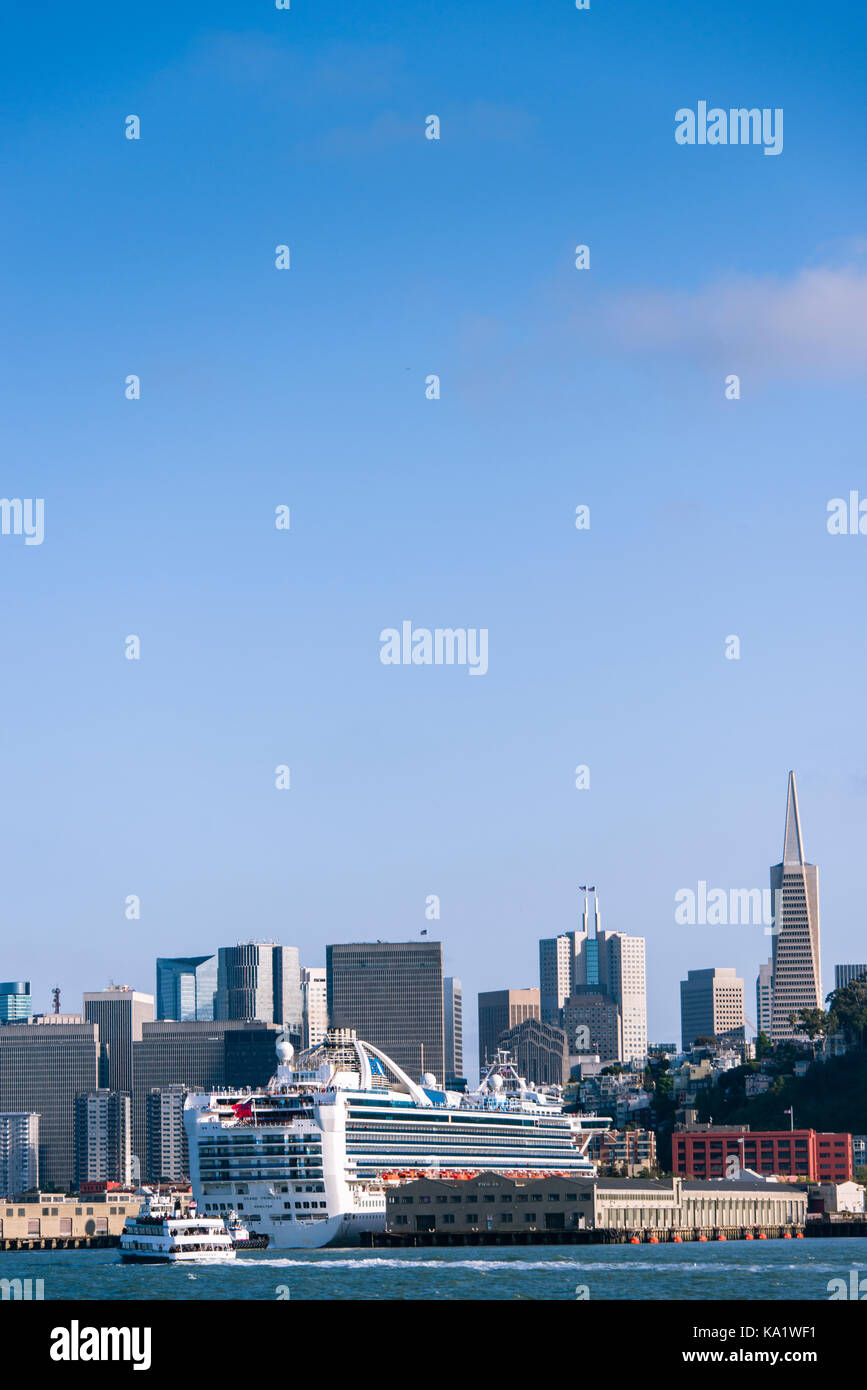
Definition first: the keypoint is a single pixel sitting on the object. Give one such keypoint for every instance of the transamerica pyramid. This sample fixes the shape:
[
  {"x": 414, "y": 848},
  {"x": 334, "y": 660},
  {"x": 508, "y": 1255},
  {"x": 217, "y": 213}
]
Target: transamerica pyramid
[{"x": 797, "y": 980}]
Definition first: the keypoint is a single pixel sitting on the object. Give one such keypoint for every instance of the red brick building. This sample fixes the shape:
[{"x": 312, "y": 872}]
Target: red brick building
[{"x": 802, "y": 1153}]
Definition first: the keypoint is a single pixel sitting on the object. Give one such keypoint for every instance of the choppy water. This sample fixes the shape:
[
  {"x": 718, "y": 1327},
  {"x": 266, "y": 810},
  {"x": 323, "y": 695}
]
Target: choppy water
[{"x": 738, "y": 1269}]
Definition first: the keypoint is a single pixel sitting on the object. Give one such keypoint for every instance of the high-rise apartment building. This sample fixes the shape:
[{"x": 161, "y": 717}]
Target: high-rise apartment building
[
  {"x": 196, "y": 1055},
  {"x": 168, "y": 1154},
  {"x": 453, "y": 1020},
  {"x": 14, "y": 1001},
  {"x": 391, "y": 993},
  {"x": 711, "y": 1006},
  {"x": 186, "y": 986},
  {"x": 843, "y": 975},
  {"x": 19, "y": 1153},
  {"x": 500, "y": 1010},
  {"x": 103, "y": 1150},
  {"x": 795, "y": 894},
  {"x": 260, "y": 980},
  {"x": 314, "y": 1005},
  {"x": 764, "y": 997},
  {"x": 119, "y": 1012},
  {"x": 44, "y": 1064}
]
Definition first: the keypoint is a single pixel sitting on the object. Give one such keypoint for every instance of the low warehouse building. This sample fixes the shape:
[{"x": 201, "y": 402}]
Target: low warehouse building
[{"x": 491, "y": 1202}]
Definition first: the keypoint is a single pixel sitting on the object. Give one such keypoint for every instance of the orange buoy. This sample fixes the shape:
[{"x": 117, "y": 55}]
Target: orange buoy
[
  {"x": 635, "y": 1241},
  {"x": 748, "y": 1235},
  {"x": 799, "y": 1235},
  {"x": 702, "y": 1237},
  {"x": 762, "y": 1235},
  {"x": 677, "y": 1240},
  {"x": 722, "y": 1237},
  {"x": 787, "y": 1235},
  {"x": 652, "y": 1240}
]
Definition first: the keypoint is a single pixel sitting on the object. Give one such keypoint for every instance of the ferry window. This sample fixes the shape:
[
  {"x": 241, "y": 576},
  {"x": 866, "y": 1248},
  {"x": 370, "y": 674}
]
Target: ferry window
[
  {"x": 449, "y": 1218},
  {"x": 537, "y": 1196},
  {"x": 490, "y": 1199},
  {"x": 507, "y": 1216},
  {"x": 528, "y": 1216},
  {"x": 442, "y": 1199},
  {"x": 472, "y": 1199},
  {"x": 506, "y": 1197},
  {"x": 522, "y": 1197},
  {"x": 401, "y": 1220},
  {"x": 472, "y": 1216},
  {"x": 553, "y": 1196},
  {"x": 571, "y": 1196},
  {"x": 424, "y": 1199},
  {"x": 456, "y": 1199}
]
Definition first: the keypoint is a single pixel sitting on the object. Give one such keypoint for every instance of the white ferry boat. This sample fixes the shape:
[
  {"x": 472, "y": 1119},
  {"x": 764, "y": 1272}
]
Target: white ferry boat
[
  {"x": 161, "y": 1233},
  {"x": 306, "y": 1160}
]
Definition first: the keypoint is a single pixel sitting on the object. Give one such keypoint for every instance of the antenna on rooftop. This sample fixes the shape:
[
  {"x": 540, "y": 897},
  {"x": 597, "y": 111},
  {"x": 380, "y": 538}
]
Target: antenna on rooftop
[{"x": 55, "y": 998}]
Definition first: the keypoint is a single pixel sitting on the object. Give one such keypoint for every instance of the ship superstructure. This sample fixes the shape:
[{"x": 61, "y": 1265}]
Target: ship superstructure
[{"x": 306, "y": 1160}]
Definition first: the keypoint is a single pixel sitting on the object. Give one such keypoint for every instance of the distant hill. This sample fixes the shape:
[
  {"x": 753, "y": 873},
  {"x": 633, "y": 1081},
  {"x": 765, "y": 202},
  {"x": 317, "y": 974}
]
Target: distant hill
[{"x": 832, "y": 1096}]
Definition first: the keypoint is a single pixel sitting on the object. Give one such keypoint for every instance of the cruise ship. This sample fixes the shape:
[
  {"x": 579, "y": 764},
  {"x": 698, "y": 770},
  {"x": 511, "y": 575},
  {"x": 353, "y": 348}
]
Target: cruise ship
[{"x": 306, "y": 1160}]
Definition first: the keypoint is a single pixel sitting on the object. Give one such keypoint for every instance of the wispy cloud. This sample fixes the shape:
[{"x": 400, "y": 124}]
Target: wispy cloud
[{"x": 815, "y": 322}]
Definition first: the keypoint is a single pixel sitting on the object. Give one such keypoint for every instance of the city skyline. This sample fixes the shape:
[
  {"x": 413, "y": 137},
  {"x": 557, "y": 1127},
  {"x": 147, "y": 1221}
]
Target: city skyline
[{"x": 154, "y": 778}]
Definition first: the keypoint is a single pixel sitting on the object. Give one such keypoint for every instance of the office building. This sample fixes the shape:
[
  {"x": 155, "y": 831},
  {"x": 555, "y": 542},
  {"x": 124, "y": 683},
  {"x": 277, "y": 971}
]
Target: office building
[
  {"x": 795, "y": 894},
  {"x": 314, "y": 1005},
  {"x": 19, "y": 1153},
  {"x": 843, "y": 975},
  {"x": 453, "y": 1023},
  {"x": 764, "y": 998},
  {"x": 186, "y": 986},
  {"x": 119, "y": 1012},
  {"x": 569, "y": 961},
  {"x": 715, "y": 1151},
  {"x": 622, "y": 976},
  {"x": 168, "y": 1154},
  {"x": 500, "y": 1010},
  {"x": 196, "y": 1055},
  {"x": 14, "y": 1001},
  {"x": 391, "y": 993},
  {"x": 103, "y": 1151},
  {"x": 260, "y": 980},
  {"x": 595, "y": 1011},
  {"x": 711, "y": 1006},
  {"x": 44, "y": 1064},
  {"x": 538, "y": 1050}
]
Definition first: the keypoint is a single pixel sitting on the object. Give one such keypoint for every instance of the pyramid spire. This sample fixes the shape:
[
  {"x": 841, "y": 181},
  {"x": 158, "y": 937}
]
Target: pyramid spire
[{"x": 793, "y": 849}]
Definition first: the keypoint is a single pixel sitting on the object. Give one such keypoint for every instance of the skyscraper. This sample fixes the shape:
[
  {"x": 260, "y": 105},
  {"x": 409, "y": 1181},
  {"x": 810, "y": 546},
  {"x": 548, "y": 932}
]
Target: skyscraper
[
  {"x": 103, "y": 1151},
  {"x": 595, "y": 1010},
  {"x": 622, "y": 976},
  {"x": 44, "y": 1065},
  {"x": 391, "y": 993},
  {"x": 19, "y": 1153},
  {"x": 500, "y": 1010},
  {"x": 260, "y": 980},
  {"x": 764, "y": 998},
  {"x": 194, "y": 1055},
  {"x": 711, "y": 1006},
  {"x": 168, "y": 1154},
  {"x": 14, "y": 1001},
  {"x": 186, "y": 986},
  {"x": 314, "y": 1005},
  {"x": 453, "y": 1017},
  {"x": 795, "y": 894},
  {"x": 119, "y": 1012},
  {"x": 843, "y": 975},
  {"x": 539, "y": 1051}
]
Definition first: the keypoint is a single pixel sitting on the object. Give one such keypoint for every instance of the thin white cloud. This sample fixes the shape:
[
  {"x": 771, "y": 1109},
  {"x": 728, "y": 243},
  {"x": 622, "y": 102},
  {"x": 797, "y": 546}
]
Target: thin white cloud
[{"x": 816, "y": 322}]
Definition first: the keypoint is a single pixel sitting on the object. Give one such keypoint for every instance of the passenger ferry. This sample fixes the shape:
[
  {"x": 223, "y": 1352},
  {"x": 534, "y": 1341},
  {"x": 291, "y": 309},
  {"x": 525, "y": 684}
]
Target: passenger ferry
[
  {"x": 162, "y": 1233},
  {"x": 307, "y": 1159}
]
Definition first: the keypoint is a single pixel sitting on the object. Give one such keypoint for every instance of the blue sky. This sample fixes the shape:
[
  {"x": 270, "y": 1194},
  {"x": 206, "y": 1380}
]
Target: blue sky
[{"x": 306, "y": 388}]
